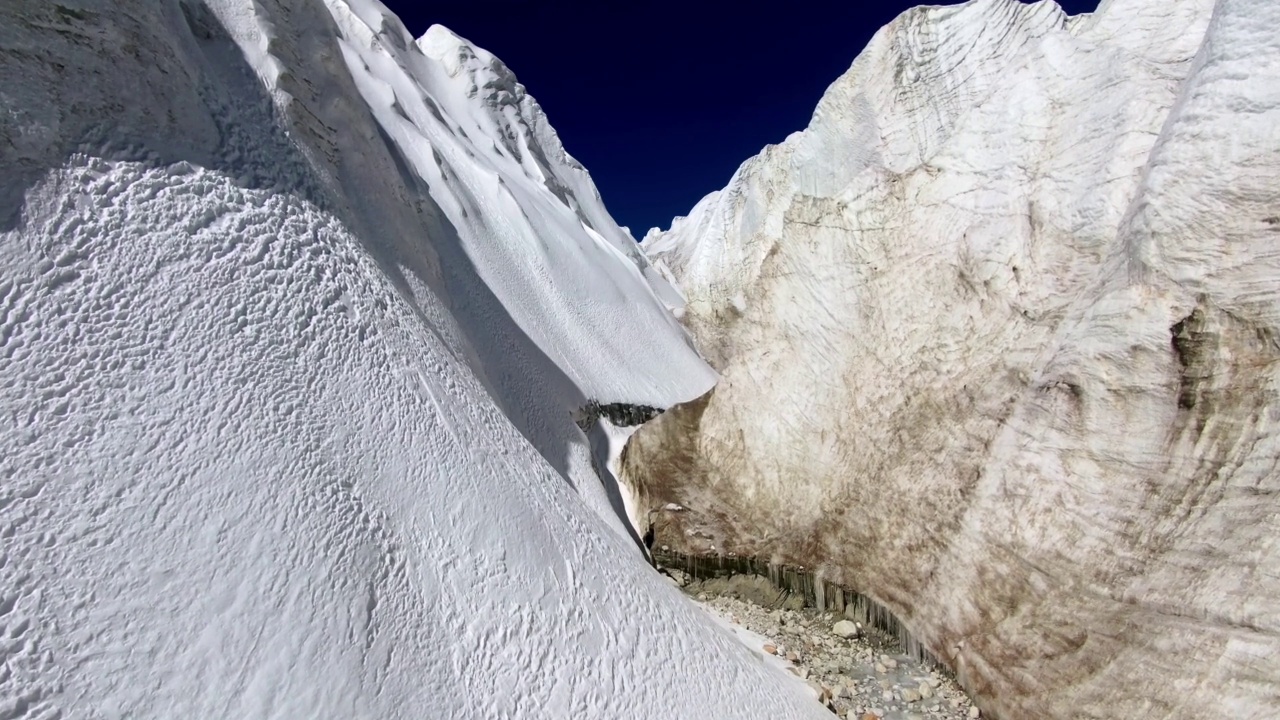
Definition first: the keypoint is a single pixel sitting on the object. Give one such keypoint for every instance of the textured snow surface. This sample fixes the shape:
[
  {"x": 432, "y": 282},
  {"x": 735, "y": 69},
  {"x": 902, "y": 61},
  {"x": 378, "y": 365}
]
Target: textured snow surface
[
  {"x": 998, "y": 339},
  {"x": 293, "y": 315}
]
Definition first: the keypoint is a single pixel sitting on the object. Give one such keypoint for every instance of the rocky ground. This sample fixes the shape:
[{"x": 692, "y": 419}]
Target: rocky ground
[{"x": 858, "y": 672}]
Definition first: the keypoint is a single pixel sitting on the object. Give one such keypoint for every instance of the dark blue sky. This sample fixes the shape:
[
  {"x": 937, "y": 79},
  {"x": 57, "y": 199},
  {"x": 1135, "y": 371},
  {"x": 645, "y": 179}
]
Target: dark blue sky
[{"x": 663, "y": 100}]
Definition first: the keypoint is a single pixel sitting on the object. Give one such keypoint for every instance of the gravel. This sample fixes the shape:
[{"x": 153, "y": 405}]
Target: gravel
[{"x": 858, "y": 676}]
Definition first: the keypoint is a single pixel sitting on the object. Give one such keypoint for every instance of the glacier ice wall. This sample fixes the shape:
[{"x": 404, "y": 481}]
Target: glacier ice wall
[{"x": 997, "y": 335}]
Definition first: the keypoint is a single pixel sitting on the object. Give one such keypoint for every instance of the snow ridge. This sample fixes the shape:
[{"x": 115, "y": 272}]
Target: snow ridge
[{"x": 292, "y": 331}]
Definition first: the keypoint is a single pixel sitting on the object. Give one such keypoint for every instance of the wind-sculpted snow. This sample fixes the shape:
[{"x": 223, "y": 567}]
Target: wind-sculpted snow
[
  {"x": 997, "y": 335},
  {"x": 265, "y": 452}
]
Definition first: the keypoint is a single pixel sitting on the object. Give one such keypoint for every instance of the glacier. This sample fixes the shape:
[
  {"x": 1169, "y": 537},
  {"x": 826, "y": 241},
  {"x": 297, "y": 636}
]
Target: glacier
[
  {"x": 998, "y": 342},
  {"x": 298, "y": 317}
]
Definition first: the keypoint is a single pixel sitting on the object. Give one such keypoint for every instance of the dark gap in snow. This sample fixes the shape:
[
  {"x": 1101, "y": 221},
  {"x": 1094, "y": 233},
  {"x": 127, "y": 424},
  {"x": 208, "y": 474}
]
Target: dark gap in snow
[
  {"x": 1187, "y": 339},
  {"x": 618, "y": 414}
]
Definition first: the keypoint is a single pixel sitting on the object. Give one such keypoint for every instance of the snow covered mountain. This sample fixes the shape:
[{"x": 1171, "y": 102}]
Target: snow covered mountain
[
  {"x": 297, "y": 315},
  {"x": 998, "y": 339}
]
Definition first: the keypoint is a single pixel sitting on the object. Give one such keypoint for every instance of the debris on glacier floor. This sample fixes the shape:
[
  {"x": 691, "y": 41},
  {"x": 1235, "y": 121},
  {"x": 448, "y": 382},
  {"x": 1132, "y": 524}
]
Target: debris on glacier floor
[{"x": 858, "y": 672}]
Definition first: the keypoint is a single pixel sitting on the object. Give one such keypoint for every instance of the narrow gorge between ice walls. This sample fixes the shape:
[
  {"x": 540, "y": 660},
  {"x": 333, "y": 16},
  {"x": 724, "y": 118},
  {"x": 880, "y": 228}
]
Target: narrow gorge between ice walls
[{"x": 331, "y": 389}]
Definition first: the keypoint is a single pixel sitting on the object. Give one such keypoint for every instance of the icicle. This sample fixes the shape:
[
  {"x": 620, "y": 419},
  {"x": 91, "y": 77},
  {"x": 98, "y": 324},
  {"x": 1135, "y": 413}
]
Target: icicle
[{"x": 815, "y": 591}]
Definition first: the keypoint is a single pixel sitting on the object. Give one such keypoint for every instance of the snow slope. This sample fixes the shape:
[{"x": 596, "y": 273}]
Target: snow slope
[
  {"x": 997, "y": 339},
  {"x": 294, "y": 314}
]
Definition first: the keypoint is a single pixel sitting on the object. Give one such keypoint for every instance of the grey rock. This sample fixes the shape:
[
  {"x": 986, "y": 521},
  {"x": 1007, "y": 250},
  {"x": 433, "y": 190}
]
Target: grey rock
[{"x": 845, "y": 629}]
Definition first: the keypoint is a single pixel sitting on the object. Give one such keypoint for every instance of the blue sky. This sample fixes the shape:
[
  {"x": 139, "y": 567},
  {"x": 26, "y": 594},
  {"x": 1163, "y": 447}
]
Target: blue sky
[{"x": 663, "y": 100}]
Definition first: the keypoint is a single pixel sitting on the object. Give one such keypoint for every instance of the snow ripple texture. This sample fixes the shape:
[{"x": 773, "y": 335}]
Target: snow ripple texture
[
  {"x": 260, "y": 455},
  {"x": 998, "y": 338}
]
